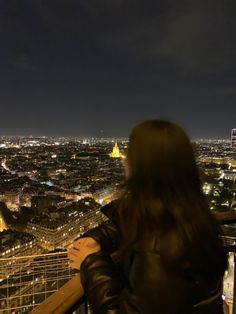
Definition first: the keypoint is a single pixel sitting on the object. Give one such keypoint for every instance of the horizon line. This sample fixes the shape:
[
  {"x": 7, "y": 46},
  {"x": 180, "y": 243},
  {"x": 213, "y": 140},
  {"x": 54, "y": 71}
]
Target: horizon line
[{"x": 101, "y": 137}]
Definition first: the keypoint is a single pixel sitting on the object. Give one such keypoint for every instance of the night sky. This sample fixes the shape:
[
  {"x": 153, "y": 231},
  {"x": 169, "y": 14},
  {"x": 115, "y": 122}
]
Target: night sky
[{"x": 97, "y": 67}]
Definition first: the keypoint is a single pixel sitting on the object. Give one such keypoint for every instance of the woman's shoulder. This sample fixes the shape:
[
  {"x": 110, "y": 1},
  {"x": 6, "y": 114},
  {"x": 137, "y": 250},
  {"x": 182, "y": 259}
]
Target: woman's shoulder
[{"x": 110, "y": 210}]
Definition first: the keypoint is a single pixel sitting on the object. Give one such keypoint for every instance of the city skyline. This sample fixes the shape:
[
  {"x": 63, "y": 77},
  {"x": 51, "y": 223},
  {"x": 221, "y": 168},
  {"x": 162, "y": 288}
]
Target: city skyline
[
  {"x": 51, "y": 192},
  {"x": 79, "y": 68},
  {"x": 86, "y": 139}
]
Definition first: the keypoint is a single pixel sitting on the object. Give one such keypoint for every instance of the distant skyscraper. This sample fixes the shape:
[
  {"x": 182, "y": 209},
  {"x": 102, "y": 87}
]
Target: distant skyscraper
[{"x": 233, "y": 138}]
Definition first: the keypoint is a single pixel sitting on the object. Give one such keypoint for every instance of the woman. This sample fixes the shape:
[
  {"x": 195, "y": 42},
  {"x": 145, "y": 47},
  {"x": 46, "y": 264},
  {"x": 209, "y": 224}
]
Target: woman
[{"x": 171, "y": 259}]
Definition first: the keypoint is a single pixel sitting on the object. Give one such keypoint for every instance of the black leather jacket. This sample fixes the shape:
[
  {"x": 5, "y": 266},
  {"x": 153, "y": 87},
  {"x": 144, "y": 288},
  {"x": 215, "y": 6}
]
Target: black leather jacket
[{"x": 145, "y": 284}]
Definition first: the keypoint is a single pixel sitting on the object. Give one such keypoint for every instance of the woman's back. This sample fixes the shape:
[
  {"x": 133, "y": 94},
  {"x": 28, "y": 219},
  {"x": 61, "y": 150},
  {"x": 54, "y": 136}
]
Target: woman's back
[
  {"x": 147, "y": 282},
  {"x": 171, "y": 256},
  {"x": 163, "y": 196}
]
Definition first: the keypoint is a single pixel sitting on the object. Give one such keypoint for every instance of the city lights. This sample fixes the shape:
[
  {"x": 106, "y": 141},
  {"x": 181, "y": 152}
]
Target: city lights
[{"x": 52, "y": 190}]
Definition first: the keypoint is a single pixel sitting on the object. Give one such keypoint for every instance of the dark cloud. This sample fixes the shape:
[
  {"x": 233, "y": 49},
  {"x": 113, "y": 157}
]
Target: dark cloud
[
  {"x": 198, "y": 37},
  {"x": 88, "y": 60},
  {"x": 193, "y": 36}
]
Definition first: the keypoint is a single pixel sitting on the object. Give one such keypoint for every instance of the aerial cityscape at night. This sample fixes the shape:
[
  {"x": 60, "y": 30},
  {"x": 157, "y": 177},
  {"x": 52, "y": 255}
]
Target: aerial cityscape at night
[
  {"x": 51, "y": 190},
  {"x": 76, "y": 76}
]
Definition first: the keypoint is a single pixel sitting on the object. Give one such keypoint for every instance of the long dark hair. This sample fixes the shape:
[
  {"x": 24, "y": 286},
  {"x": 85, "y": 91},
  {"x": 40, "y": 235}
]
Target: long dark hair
[{"x": 163, "y": 196}]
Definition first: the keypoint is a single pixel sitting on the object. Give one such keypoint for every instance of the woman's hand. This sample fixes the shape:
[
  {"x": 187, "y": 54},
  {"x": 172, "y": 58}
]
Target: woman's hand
[
  {"x": 87, "y": 241},
  {"x": 81, "y": 249}
]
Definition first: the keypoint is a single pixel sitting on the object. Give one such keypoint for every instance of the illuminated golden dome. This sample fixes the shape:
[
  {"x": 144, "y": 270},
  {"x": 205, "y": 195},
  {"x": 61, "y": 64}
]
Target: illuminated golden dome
[{"x": 116, "y": 152}]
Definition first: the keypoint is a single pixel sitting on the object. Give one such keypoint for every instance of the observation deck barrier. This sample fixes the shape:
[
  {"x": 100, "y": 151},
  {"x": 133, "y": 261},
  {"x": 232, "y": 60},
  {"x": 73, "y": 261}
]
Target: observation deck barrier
[
  {"x": 45, "y": 284},
  {"x": 27, "y": 281}
]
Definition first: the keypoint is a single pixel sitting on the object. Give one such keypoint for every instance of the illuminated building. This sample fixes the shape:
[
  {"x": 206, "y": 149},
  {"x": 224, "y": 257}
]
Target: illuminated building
[
  {"x": 233, "y": 138},
  {"x": 116, "y": 152},
  {"x": 229, "y": 175},
  {"x": 58, "y": 231},
  {"x": 217, "y": 160},
  {"x": 15, "y": 243},
  {"x": 25, "y": 199},
  {"x": 105, "y": 195},
  {"x": 11, "y": 198},
  {"x": 41, "y": 203}
]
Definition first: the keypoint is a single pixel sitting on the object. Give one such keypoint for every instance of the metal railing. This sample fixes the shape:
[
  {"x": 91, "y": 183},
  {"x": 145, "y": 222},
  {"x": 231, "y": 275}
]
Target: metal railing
[
  {"x": 69, "y": 297},
  {"x": 65, "y": 300},
  {"x": 29, "y": 280},
  {"x": 44, "y": 284}
]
